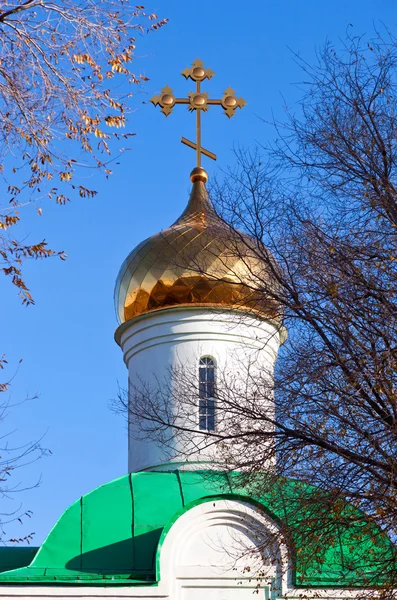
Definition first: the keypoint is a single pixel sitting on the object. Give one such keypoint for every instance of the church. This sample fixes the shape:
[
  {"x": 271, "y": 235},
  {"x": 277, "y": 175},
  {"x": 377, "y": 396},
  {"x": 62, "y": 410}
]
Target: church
[{"x": 177, "y": 526}]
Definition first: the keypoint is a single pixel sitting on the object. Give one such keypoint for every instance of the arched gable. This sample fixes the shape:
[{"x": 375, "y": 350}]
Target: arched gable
[{"x": 226, "y": 542}]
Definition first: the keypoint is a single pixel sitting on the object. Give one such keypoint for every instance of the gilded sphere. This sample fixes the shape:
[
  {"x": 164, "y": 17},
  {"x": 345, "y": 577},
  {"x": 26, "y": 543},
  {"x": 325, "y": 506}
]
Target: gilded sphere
[
  {"x": 198, "y": 72},
  {"x": 167, "y": 99},
  {"x": 199, "y": 100},
  {"x": 199, "y": 174},
  {"x": 230, "y": 102}
]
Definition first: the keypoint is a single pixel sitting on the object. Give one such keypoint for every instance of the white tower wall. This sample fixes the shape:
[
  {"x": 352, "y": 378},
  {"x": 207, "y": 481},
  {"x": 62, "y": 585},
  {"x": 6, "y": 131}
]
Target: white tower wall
[{"x": 162, "y": 352}]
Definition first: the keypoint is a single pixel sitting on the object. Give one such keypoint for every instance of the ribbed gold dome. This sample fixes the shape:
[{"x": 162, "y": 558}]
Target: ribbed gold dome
[{"x": 198, "y": 261}]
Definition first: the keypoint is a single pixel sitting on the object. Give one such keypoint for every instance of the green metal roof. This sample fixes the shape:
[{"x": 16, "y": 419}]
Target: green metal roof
[
  {"x": 17, "y": 556},
  {"x": 110, "y": 536}
]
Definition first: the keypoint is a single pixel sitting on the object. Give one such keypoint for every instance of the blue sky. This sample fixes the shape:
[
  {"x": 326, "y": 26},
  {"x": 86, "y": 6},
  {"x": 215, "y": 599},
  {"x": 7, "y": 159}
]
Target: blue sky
[{"x": 66, "y": 340}]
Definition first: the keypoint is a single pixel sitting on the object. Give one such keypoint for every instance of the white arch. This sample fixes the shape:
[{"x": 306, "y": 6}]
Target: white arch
[{"x": 227, "y": 546}]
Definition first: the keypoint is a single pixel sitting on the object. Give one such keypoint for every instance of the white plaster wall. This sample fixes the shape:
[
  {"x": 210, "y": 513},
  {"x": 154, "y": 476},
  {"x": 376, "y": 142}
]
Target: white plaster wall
[
  {"x": 195, "y": 589},
  {"x": 162, "y": 351}
]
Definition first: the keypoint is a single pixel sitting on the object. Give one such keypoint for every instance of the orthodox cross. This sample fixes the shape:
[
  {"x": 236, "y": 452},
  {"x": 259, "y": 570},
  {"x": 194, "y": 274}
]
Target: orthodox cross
[{"x": 198, "y": 101}]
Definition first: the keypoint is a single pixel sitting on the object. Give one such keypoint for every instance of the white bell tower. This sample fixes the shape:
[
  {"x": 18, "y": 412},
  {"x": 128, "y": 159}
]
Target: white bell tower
[{"x": 192, "y": 332}]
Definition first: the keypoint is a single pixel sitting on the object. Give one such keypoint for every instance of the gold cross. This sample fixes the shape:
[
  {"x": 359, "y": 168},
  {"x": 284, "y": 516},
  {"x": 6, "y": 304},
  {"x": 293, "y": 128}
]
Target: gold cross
[{"x": 198, "y": 101}]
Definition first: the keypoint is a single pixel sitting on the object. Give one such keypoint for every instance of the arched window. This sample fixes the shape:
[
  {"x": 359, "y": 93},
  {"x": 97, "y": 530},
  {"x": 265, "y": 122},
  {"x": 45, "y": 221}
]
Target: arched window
[{"x": 207, "y": 394}]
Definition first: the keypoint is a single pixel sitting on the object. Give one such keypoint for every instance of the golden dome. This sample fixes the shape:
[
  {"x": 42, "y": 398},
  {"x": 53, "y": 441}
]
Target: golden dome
[{"x": 198, "y": 261}]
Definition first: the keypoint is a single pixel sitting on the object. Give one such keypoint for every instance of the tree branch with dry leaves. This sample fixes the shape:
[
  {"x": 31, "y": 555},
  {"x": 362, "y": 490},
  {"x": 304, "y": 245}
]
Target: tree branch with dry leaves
[{"x": 66, "y": 80}]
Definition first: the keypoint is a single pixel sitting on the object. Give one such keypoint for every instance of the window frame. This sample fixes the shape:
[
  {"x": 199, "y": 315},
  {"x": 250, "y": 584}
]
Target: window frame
[{"x": 207, "y": 393}]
